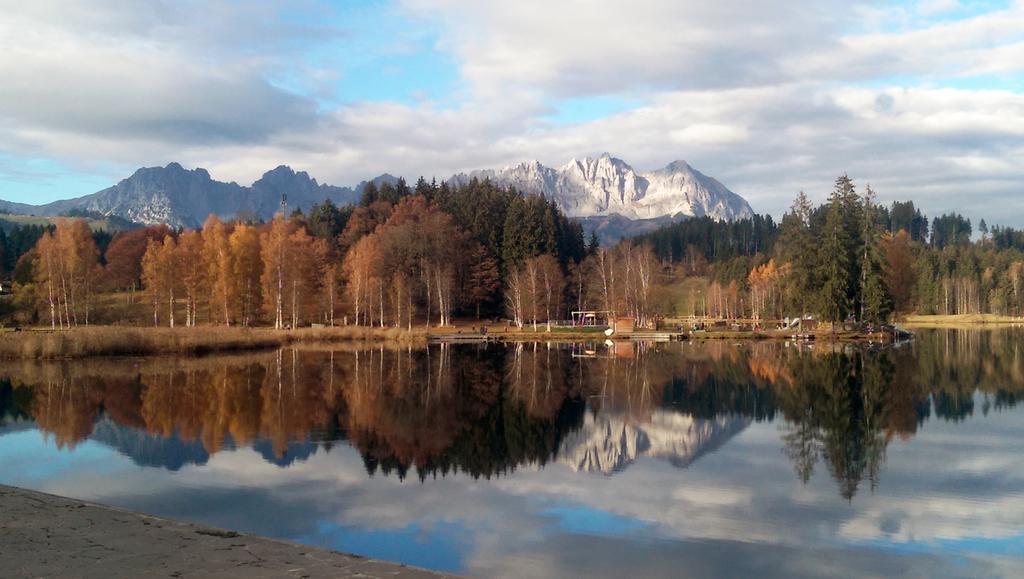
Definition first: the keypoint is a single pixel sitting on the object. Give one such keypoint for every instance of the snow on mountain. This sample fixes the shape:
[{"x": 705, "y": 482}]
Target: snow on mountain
[
  {"x": 610, "y": 442},
  {"x": 609, "y": 186},
  {"x": 604, "y": 188}
]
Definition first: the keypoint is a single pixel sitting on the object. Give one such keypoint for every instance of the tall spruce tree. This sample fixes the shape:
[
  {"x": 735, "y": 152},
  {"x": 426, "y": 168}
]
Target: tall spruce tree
[
  {"x": 875, "y": 303},
  {"x": 798, "y": 248},
  {"x": 835, "y": 263},
  {"x": 593, "y": 244},
  {"x": 853, "y": 220}
]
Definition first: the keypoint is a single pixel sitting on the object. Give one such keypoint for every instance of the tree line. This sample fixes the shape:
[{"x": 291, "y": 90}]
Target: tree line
[
  {"x": 427, "y": 253},
  {"x": 849, "y": 258},
  {"x": 403, "y": 255}
]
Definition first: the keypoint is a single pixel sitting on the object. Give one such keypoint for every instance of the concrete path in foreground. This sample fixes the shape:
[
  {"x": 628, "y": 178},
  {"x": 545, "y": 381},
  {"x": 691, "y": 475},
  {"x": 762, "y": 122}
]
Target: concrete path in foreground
[{"x": 44, "y": 535}]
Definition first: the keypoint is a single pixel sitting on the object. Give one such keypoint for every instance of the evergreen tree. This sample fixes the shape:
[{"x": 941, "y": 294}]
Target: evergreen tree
[
  {"x": 484, "y": 279},
  {"x": 327, "y": 221},
  {"x": 904, "y": 216},
  {"x": 370, "y": 194},
  {"x": 950, "y": 229},
  {"x": 3, "y": 253},
  {"x": 799, "y": 249},
  {"x": 427, "y": 190},
  {"x": 835, "y": 259},
  {"x": 854, "y": 222},
  {"x": 515, "y": 240},
  {"x": 593, "y": 244},
  {"x": 875, "y": 303}
]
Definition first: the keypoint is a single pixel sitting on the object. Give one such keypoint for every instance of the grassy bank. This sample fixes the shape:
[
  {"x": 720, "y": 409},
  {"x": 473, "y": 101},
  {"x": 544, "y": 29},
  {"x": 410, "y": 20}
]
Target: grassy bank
[
  {"x": 961, "y": 320},
  {"x": 134, "y": 341},
  {"x": 541, "y": 334},
  {"x": 98, "y": 341}
]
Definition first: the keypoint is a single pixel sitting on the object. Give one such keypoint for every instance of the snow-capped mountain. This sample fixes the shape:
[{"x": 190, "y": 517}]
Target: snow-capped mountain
[
  {"x": 609, "y": 186},
  {"x": 606, "y": 190},
  {"x": 610, "y": 442}
]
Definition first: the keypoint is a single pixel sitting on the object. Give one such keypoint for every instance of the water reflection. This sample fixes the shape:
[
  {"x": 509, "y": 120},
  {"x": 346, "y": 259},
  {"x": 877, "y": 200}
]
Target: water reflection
[
  {"x": 607, "y": 442},
  {"x": 486, "y": 410}
]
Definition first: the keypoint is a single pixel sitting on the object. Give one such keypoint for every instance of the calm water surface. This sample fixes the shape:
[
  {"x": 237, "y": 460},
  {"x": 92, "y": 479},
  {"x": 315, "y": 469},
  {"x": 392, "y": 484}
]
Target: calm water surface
[{"x": 701, "y": 459}]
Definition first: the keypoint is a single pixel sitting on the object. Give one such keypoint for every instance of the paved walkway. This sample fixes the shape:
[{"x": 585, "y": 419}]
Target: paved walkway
[{"x": 48, "y": 536}]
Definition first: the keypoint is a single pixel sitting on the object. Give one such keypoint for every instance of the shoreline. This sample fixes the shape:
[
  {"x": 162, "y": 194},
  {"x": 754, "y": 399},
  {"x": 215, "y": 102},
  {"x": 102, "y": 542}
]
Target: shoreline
[
  {"x": 961, "y": 320},
  {"x": 111, "y": 341},
  {"x": 125, "y": 341},
  {"x": 131, "y": 341},
  {"x": 47, "y": 535}
]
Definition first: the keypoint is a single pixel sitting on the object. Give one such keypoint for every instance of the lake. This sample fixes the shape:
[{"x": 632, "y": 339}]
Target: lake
[{"x": 630, "y": 459}]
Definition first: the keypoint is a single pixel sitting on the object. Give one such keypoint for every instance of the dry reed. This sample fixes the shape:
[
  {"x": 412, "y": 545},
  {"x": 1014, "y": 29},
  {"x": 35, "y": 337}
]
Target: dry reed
[{"x": 134, "y": 341}]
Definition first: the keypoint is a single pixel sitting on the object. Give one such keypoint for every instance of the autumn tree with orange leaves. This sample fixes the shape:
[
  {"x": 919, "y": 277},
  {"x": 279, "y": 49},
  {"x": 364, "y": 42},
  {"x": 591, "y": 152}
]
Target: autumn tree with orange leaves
[
  {"x": 246, "y": 291},
  {"x": 766, "y": 284},
  {"x": 124, "y": 256},
  {"x": 218, "y": 259},
  {"x": 68, "y": 272},
  {"x": 293, "y": 265},
  {"x": 408, "y": 267},
  {"x": 161, "y": 277}
]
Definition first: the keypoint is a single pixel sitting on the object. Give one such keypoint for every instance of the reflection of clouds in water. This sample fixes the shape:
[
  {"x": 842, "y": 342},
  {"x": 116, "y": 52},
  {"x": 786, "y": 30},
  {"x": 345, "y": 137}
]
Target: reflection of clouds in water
[
  {"x": 569, "y": 555},
  {"x": 955, "y": 487},
  {"x": 738, "y": 510},
  {"x": 977, "y": 494}
]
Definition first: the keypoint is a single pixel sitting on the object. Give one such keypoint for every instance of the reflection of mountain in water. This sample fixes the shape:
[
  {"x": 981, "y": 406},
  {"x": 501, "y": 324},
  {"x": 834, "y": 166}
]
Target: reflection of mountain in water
[
  {"x": 610, "y": 442},
  {"x": 146, "y": 449},
  {"x": 10, "y": 425},
  {"x": 172, "y": 452},
  {"x": 294, "y": 451}
]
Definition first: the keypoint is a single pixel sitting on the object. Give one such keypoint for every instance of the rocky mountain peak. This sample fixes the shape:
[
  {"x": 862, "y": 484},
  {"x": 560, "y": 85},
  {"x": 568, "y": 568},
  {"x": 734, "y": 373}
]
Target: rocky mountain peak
[
  {"x": 284, "y": 176},
  {"x": 607, "y": 185},
  {"x": 610, "y": 442},
  {"x": 602, "y": 187}
]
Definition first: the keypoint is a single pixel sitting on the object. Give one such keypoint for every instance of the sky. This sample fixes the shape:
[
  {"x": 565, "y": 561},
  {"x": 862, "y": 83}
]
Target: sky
[{"x": 921, "y": 99}]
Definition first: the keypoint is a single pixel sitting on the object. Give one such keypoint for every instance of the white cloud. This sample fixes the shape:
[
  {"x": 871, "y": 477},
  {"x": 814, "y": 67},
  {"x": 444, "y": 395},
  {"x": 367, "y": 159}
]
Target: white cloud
[
  {"x": 739, "y": 504},
  {"x": 931, "y": 7},
  {"x": 768, "y": 97}
]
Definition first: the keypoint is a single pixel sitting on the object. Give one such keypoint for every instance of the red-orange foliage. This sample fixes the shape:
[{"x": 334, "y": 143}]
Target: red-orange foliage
[
  {"x": 124, "y": 256},
  {"x": 67, "y": 272}
]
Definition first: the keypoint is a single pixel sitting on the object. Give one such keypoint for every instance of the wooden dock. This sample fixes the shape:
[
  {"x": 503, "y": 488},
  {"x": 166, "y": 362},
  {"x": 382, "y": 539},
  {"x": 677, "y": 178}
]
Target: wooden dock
[
  {"x": 651, "y": 336},
  {"x": 463, "y": 338}
]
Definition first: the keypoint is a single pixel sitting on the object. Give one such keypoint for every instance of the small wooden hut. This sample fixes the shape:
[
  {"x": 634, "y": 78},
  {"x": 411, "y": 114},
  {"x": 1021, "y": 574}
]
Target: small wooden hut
[{"x": 624, "y": 325}]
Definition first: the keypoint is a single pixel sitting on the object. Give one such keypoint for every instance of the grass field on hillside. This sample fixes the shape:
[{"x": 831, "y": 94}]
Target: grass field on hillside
[{"x": 94, "y": 224}]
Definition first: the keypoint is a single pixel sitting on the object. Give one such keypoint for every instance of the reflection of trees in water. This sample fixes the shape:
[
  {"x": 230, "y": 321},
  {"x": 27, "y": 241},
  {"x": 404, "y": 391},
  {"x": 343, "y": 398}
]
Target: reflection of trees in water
[
  {"x": 953, "y": 364},
  {"x": 405, "y": 407},
  {"x": 720, "y": 379},
  {"x": 451, "y": 409},
  {"x": 835, "y": 411},
  {"x": 484, "y": 410},
  {"x": 68, "y": 408},
  {"x": 15, "y": 403}
]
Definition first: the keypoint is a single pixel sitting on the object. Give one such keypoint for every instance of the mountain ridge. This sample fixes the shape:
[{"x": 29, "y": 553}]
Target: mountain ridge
[
  {"x": 183, "y": 197},
  {"x": 604, "y": 189},
  {"x": 606, "y": 185}
]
